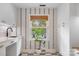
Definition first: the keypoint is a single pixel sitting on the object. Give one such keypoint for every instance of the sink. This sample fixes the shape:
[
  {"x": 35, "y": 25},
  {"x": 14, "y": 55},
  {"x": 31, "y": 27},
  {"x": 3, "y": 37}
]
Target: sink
[{"x": 12, "y": 36}]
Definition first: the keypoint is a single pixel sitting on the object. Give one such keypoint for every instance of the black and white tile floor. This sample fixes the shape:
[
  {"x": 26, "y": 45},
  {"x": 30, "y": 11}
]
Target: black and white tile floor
[{"x": 41, "y": 54}]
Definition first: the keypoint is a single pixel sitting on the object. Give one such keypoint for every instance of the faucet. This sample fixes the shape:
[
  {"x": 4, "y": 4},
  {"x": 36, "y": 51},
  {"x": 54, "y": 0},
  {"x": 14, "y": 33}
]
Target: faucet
[{"x": 7, "y": 30}]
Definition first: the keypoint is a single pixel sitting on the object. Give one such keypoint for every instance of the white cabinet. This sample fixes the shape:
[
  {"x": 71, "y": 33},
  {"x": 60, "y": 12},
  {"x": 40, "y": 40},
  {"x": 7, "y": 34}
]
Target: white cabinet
[
  {"x": 2, "y": 50},
  {"x": 10, "y": 47},
  {"x": 18, "y": 46},
  {"x": 11, "y": 50},
  {"x": 14, "y": 48}
]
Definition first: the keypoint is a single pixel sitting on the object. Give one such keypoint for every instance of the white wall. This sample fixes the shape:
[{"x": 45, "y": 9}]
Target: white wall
[
  {"x": 7, "y": 13},
  {"x": 63, "y": 29},
  {"x": 74, "y": 32},
  {"x": 74, "y": 25},
  {"x": 7, "y": 16}
]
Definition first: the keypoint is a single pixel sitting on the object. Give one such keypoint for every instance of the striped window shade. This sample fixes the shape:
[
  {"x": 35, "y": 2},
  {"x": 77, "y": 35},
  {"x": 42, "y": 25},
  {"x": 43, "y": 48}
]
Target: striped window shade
[{"x": 39, "y": 17}]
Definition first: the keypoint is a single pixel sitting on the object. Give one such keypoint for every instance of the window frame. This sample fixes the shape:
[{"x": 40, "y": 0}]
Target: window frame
[{"x": 30, "y": 26}]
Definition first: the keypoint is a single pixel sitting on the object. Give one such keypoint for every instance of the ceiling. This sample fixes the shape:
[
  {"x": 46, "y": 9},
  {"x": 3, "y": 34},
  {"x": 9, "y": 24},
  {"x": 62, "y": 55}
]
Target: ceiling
[{"x": 28, "y": 5}]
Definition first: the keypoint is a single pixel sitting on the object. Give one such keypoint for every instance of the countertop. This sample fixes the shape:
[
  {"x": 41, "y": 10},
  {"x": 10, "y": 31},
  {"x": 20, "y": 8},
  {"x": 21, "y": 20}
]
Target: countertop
[{"x": 3, "y": 39}]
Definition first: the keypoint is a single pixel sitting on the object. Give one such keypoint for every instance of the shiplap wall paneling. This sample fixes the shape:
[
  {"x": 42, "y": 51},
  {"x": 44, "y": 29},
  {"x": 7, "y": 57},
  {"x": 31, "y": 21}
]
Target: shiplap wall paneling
[
  {"x": 42, "y": 11},
  {"x": 28, "y": 28},
  {"x": 18, "y": 22},
  {"x": 37, "y": 10},
  {"x": 51, "y": 28},
  {"x": 32, "y": 11},
  {"x": 46, "y": 11},
  {"x": 23, "y": 27},
  {"x": 55, "y": 29}
]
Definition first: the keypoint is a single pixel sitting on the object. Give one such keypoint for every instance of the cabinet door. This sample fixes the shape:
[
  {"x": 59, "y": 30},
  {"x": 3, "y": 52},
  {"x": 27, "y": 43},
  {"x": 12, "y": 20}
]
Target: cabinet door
[
  {"x": 2, "y": 50},
  {"x": 19, "y": 46}
]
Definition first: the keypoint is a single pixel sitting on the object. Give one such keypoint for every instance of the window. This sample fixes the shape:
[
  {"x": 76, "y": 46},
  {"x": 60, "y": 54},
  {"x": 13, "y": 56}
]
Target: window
[{"x": 39, "y": 27}]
